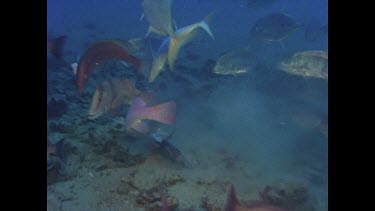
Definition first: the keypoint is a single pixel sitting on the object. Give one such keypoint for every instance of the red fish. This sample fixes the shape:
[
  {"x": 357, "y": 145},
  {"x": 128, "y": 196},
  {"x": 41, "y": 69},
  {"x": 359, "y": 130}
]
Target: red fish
[
  {"x": 164, "y": 113},
  {"x": 98, "y": 53},
  {"x": 233, "y": 204}
]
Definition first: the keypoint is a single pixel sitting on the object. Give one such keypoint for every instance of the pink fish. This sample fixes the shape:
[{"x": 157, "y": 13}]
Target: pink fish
[
  {"x": 164, "y": 113},
  {"x": 233, "y": 204}
]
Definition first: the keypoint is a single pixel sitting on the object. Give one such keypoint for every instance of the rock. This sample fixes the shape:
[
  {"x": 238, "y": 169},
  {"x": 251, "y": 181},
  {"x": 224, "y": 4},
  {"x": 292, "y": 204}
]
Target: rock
[
  {"x": 147, "y": 196},
  {"x": 172, "y": 180},
  {"x": 208, "y": 206},
  {"x": 287, "y": 195},
  {"x": 56, "y": 108},
  {"x": 102, "y": 167},
  {"x": 58, "y": 127}
]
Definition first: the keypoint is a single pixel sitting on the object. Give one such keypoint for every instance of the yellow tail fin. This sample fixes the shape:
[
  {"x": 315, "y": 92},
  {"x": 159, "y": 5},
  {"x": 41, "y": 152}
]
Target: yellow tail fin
[
  {"x": 157, "y": 66},
  {"x": 184, "y": 36}
]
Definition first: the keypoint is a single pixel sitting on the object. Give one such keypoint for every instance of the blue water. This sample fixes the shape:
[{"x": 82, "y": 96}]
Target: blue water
[{"x": 254, "y": 130}]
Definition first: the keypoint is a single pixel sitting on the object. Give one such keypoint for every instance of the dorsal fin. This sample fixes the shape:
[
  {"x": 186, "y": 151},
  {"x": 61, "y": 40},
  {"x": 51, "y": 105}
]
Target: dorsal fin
[{"x": 232, "y": 202}]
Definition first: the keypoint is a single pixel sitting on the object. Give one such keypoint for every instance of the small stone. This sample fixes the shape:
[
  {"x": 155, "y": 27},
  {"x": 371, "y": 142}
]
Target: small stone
[
  {"x": 156, "y": 195},
  {"x": 101, "y": 167}
]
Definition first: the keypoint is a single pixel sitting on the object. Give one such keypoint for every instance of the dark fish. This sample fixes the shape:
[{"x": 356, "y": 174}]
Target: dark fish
[
  {"x": 56, "y": 46},
  {"x": 170, "y": 151},
  {"x": 98, "y": 53},
  {"x": 233, "y": 204},
  {"x": 314, "y": 30},
  {"x": 274, "y": 27}
]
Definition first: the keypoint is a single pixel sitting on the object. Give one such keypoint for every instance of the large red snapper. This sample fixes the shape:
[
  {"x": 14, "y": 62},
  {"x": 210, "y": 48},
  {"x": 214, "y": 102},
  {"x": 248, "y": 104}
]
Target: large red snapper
[{"x": 98, "y": 53}]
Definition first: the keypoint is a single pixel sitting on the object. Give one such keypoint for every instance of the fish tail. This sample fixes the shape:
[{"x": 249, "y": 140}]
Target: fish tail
[
  {"x": 204, "y": 24},
  {"x": 175, "y": 25},
  {"x": 232, "y": 201},
  {"x": 177, "y": 41},
  {"x": 149, "y": 45},
  {"x": 164, "y": 113},
  {"x": 174, "y": 47},
  {"x": 57, "y": 46},
  {"x": 157, "y": 66}
]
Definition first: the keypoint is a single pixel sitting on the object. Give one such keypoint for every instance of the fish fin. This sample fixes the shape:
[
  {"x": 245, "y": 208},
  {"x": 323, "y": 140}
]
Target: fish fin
[
  {"x": 141, "y": 127},
  {"x": 57, "y": 46},
  {"x": 117, "y": 102},
  {"x": 144, "y": 67},
  {"x": 147, "y": 97},
  {"x": 164, "y": 113},
  {"x": 142, "y": 16},
  {"x": 208, "y": 18},
  {"x": 232, "y": 201},
  {"x": 169, "y": 28},
  {"x": 179, "y": 40},
  {"x": 205, "y": 26},
  {"x": 175, "y": 25},
  {"x": 152, "y": 29},
  {"x": 157, "y": 66},
  {"x": 148, "y": 43}
]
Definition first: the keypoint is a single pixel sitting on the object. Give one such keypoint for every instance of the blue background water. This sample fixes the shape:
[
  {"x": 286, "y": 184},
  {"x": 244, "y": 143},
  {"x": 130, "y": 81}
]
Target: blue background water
[{"x": 246, "y": 116}]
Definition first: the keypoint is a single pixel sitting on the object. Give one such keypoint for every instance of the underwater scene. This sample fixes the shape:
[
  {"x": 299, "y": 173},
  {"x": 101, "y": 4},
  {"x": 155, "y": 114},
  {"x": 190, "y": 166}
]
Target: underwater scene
[{"x": 187, "y": 105}]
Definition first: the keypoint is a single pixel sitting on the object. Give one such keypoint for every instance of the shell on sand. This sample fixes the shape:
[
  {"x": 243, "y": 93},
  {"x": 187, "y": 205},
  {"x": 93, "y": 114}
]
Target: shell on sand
[
  {"x": 307, "y": 64},
  {"x": 235, "y": 62}
]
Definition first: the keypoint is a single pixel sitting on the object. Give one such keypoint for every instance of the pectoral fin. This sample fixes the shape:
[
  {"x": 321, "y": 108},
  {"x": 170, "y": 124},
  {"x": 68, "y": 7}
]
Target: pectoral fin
[
  {"x": 142, "y": 16},
  {"x": 157, "y": 66},
  {"x": 152, "y": 29}
]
